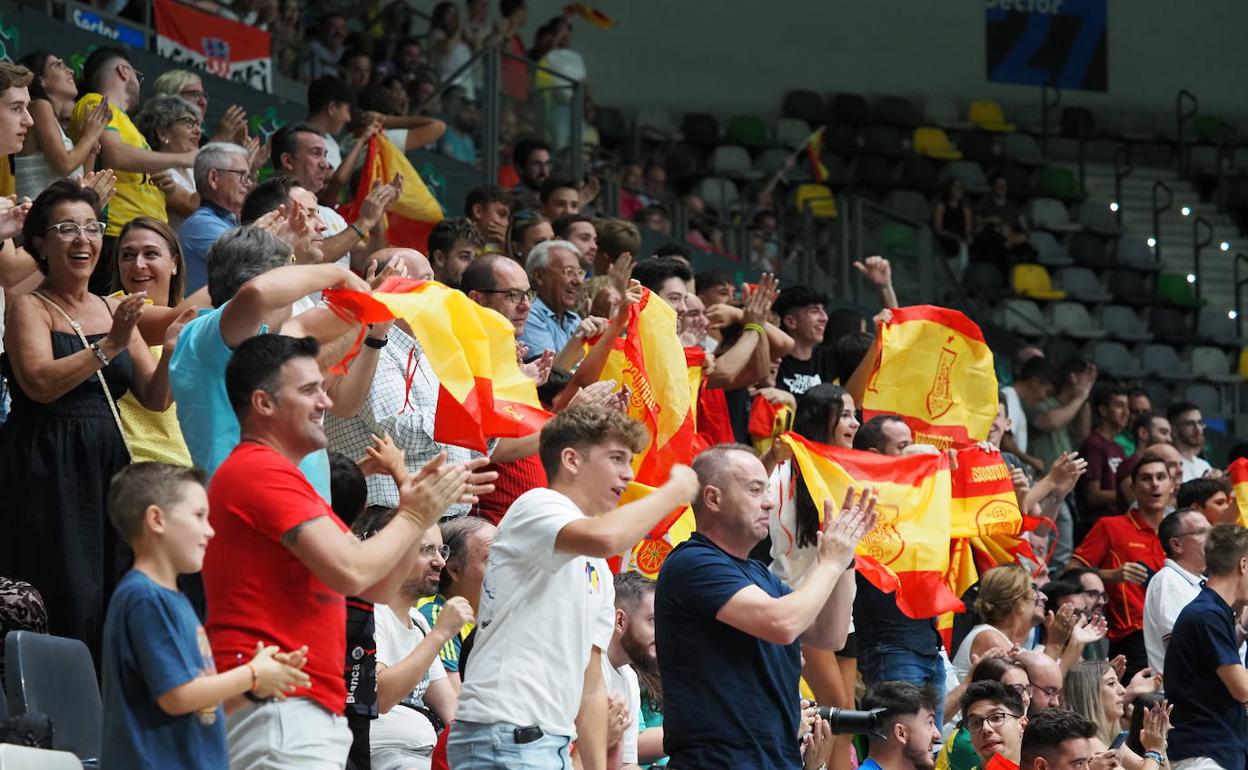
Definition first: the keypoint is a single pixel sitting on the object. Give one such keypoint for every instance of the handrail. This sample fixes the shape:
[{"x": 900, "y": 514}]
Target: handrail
[
  {"x": 1157, "y": 212},
  {"x": 1181, "y": 117},
  {"x": 1197, "y": 245},
  {"x": 1122, "y": 169},
  {"x": 1239, "y": 289},
  {"x": 1045, "y": 106}
]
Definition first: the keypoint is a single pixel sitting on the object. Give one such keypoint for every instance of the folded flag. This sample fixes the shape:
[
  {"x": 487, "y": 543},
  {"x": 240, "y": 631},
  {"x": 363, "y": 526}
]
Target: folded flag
[
  {"x": 412, "y": 217},
  {"x": 768, "y": 420},
  {"x": 647, "y": 556},
  {"x": 907, "y": 551},
  {"x": 1238, "y": 472},
  {"x": 814, "y": 153},
  {"x": 482, "y": 393},
  {"x": 936, "y": 372}
]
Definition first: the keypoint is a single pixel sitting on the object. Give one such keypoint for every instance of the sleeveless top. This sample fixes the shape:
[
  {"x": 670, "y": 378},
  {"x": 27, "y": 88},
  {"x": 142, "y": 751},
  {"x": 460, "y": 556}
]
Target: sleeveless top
[
  {"x": 33, "y": 173},
  {"x": 962, "y": 660}
]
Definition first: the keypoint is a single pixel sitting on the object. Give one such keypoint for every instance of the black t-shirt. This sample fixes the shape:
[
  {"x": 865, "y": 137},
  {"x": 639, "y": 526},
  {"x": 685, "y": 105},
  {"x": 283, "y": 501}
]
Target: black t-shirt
[
  {"x": 878, "y": 621},
  {"x": 797, "y": 376},
  {"x": 361, "y": 663}
]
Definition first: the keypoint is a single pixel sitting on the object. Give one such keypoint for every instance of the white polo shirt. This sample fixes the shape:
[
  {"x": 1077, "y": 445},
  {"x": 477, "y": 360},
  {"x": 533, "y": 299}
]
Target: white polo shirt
[{"x": 1168, "y": 593}]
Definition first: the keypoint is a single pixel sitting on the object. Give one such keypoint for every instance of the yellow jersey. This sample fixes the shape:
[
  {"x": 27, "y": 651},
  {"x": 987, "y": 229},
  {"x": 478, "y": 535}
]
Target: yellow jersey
[{"x": 137, "y": 195}]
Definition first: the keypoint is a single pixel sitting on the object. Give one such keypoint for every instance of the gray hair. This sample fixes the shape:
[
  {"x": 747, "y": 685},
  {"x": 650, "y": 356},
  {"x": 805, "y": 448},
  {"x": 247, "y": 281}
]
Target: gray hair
[
  {"x": 160, "y": 113},
  {"x": 240, "y": 255},
  {"x": 541, "y": 254},
  {"x": 213, "y": 156},
  {"x": 456, "y": 533}
]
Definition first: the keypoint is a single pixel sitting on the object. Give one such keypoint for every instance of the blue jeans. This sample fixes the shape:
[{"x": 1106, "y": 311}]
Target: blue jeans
[
  {"x": 890, "y": 663},
  {"x": 474, "y": 746}
]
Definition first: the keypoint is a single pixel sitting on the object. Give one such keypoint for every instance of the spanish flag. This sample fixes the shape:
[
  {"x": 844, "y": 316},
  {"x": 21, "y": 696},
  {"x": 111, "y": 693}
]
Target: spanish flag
[
  {"x": 1238, "y": 471},
  {"x": 647, "y": 556},
  {"x": 768, "y": 420},
  {"x": 412, "y": 217},
  {"x": 907, "y": 551},
  {"x": 482, "y": 393},
  {"x": 936, "y": 372},
  {"x": 590, "y": 14},
  {"x": 650, "y": 360}
]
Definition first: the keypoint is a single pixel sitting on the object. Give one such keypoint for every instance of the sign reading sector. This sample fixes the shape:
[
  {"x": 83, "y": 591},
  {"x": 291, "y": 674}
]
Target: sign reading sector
[{"x": 1047, "y": 42}]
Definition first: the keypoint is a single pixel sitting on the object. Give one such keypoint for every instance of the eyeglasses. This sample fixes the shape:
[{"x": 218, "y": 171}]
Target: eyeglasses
[
  {"x": 976, "y": 724},
  {"x": 243, "y": 176},
  {"x": 136, "y": 72},
  {"x": 1023, "y": 690},
  {"x": 571, "y": 273},
  {"x": 429, "y": 551},
  {"x": 189, "y": 122},
  {"x": 514, "y": 296},
  {"x": 73, "y": 229},
  {"x": 1052, "y": 692},
  {"x": 1094, "y": 594},
  {"x": 1192, "y": 532},
  {"x": 192, "y": 93},
  {"x": 55, "y": 64}
]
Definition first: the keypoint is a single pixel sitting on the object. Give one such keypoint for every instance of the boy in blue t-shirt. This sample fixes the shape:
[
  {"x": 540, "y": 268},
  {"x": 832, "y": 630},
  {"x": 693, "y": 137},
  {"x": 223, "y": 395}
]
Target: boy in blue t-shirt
[{"x": 162, "y": 695}]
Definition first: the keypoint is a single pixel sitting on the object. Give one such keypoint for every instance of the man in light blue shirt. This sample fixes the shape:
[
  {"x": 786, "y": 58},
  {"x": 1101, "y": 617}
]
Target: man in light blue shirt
[
  {"x": 555, "y": 271},
  {"x": 223, "y": 179}
]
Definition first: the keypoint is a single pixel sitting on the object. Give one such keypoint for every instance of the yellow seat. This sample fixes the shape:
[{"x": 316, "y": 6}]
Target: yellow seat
[
  {"x": 988, "y": 115},
  {"x": 934, "y": 143},
  {"x": 1033, "y": 281},
  {"x": 1243, "y": 363},
  {"x": 822, "y": 204}
]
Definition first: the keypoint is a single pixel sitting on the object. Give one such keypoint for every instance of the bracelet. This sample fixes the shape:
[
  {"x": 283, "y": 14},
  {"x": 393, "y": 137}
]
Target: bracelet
[
  {"x": 756, "y": 328},
  {"x": 1156, "y": 757},
  {"x": 255, "y": 677},
  {"x": 100, "y": 354},
  {"x": 363, "y": 235},
  {"x": 376, "y": 344}
]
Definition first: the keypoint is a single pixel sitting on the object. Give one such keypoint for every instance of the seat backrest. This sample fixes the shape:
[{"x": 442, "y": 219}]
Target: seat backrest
[
  {"x": 805, "y": 105},
  {"x": 13, "y": 757},
  {"x": 771, "y": 161},
  {"x": 984, "y": 277},
  {"x": 1204, "y": 396},
  {"x": 1135, "y": 252},
  {"x": 700, "y": 128},
  {"x": 1160, "y": 359},
  {"x": 1047, "y": 248},
  {"x": 1070, "y": 315},
  {"x": 908, "y": 203},
  {"x": 985, "y": 112},
  {"x": 851, "y": 108},
  {"x": 1086, "y": 248},
  {"x": 656, "y": 119},
  {"x": 929, "y": 139},
  {"x": 1031, "y": 278},
  {"x": 873, "y": 171},
  {"x": 55, "y": 676},
  {"x": 1176, "y": 289},
  {"x": 1048, "y": 211},
  {"x": 1209, "y": 360},
  {"x": 978, "y": 146},
  {"x": 1096, "y": 215},
  {"x": 886, "y": 140},
  {"x": 747, "y": 130},
  {"x": 1023, "y": 314},
  {"x": 1111, "y": 356},
  {"x": 919, "y": 173},
  {"x": 941, "y": 111},
  {"x": 730, "y": 159},
  {"x": 718, "y": 193},
  {"x": 1023, "y": 148},
  {"x": 682, "y": 160},
  {"x": 1128, "y": 285},
  {"x": 1216, "y": 325},
  {"x": 791, "y": 132},
  {"x": 896, "y": 111},
  {"x": 1167, "y": 322},
  {"x": 819, "y": 196},
  {"x": 1120, "y": 318},
  {"x": 968, "y": 171}
]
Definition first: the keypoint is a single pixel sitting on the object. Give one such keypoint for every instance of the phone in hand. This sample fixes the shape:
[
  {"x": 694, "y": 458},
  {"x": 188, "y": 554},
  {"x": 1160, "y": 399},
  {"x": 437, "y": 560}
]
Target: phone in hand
[{"x": 1121, "y": 739}]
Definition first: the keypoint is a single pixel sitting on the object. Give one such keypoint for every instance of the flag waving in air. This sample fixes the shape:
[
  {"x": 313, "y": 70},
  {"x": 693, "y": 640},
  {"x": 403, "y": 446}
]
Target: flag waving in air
[
  {"x": 409, "y": 221},
  {"x": 482, "y": 393},
  {"x": 907, "y": 552},
  {"x": 814, "y": 153},
  {"x": 1238, "y": 471},
  {"x": 936, "y": 372}
]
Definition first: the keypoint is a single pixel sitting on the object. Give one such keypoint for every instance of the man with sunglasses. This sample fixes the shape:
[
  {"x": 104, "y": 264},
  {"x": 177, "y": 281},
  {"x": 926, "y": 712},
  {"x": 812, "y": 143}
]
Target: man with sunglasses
[
  {"x": 1182, "y": 534},
  {"x": 993, "y": 715}
]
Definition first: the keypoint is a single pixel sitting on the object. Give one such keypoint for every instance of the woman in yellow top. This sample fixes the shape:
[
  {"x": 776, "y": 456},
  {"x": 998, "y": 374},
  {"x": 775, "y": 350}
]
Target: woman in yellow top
[{"x": 148, "y": 259}]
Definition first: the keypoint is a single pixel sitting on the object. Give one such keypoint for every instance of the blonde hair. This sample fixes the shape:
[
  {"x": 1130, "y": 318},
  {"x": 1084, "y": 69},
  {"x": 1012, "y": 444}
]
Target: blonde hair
[
  {"x": 172, "y": 82},
  {"x": 1000, "y": 588},
  {"x": 1081, "y": 693},
  {"x": 14, "y": 76}
]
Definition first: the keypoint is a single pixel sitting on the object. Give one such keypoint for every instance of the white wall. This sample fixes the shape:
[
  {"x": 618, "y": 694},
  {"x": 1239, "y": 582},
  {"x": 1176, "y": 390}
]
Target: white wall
[{"x": 729, "y": 56}]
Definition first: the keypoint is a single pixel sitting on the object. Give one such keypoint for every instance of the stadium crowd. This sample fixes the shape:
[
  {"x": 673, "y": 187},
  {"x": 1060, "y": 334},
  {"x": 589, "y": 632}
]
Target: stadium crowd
[{"x": 276, "y": 563}]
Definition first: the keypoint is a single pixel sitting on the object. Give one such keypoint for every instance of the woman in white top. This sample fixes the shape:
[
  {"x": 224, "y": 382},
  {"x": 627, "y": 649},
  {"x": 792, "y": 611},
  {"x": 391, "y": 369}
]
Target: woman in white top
[
  {"x": 446, "y": 41},
  {"x": 173, "y": 124},
  {"x": 48, "y": 153},
  {"x": 1010, "y": 605},
  {"x": 824, "y": 414}
]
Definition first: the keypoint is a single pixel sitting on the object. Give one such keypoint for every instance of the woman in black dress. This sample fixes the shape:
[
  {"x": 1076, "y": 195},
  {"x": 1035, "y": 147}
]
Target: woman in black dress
[
  {"x": 952, "y": 220},
  {"x": 62, "y": 444}
]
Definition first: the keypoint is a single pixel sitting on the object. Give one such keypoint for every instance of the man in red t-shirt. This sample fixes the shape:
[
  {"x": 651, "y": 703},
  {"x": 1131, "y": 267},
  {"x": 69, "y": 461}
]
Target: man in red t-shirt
[
  {"x": 282, "y": 563},
  {"x": 1125, "y": 551}
]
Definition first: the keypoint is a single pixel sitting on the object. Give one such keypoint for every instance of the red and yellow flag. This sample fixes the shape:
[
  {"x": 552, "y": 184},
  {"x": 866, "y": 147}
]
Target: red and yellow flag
[
  {"x": 647, "y": 556},
  {"x": 412, "y": 217},
  {"x": 936, "y": 372},
  {"x": 814, "y": 153},
  {"x": 590, "y": 14},
  {"x": 482, "y": 393},
  {"x": 907, "y": 551},
  {"x": 1238, "y": 471},
  {"x": 650, "y": 360},
  {"x": 768, "y": 420}
]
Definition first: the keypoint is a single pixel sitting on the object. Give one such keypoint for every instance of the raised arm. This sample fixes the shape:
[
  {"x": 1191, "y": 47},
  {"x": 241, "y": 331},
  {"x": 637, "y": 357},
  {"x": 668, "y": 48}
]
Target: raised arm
[
  {"x": 120, "y": 156},
  {"x": 276, "y": 289},
  {"x": 47, "y": 132},
  {"x": 610, "y": 533}
]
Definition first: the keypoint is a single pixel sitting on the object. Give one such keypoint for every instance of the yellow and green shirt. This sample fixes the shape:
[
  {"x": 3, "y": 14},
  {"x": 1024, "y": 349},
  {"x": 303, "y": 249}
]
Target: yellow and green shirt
[{"x": 137, "y": 195}]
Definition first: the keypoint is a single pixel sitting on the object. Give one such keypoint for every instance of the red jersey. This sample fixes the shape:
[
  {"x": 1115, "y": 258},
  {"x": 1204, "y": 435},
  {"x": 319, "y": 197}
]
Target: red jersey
[
  {"x": 1112, "y": 542},
  {"x": 257, "y": 591},
  {"x": 514, "y": 479}
]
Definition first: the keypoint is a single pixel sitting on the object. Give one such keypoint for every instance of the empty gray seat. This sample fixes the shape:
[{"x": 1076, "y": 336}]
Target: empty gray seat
[
  {"x": 1205, "y": 396},
  {"x": 13, "y": 757},
  {"x": 1114, "y": 359},
  {"x": 719, "y": 193},
  {"x": 1159, "y": 394},
  {"x": 1051, "y": 214},
  {"x": 731, "y": 160},
  {"x": 1159, "y": 360},
  {"x": 909, "y": 203},
  {"x": 1135, "y": 252},
  {"x": 1082, "y": 284},
  {"x": 1204, "y": 160},
  {"x": 1022, "y": 148},
  {"x": 1096, "y": 217},
  {"x": 1121, "y": 322},
  {"x": 1048, "y": 251},
  {"x": 1022, "y": 316},
  {"x": 1210, "y": 363},
  {"x": 1073, "y": 320},
  {"x": 1217, "y": 326},
  {"x": 942, "y": 111},
  {"x": 55, "y": 676},
  {"x": 969, "y": 172},
  {"x": 791, "y": 132}
]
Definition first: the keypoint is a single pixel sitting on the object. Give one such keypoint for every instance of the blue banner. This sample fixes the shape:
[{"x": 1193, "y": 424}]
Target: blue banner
[
  {"x": 113, "y": 30},
  {"x": 1055, "y": 42}
]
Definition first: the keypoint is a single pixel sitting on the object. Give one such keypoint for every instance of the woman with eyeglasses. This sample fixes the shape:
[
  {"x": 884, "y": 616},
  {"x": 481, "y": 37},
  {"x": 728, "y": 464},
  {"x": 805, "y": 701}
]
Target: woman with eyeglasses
[
  {"x": 1093, "y": 691},
  {"x": 48, "y": 153},
  {"x": 70, "y": 355},
  {"x": 1010, "y": 607},
  {"x": 173, "y": 124}
]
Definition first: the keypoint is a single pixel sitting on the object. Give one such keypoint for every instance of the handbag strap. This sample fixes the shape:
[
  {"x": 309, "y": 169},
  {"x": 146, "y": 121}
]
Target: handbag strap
[{"x": 99, "y": 373}]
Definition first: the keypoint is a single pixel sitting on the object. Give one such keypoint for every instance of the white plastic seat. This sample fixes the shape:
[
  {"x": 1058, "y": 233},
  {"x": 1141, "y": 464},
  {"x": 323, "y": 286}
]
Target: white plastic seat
[
  {"x": 1073, "y": 320},
  {"x": 1121, "y": 322},
  {"x": 1051, "y": 214},
  {"x": 791, "y": 132},
  {"x": 1210, "y": 363},
  {"x": 1023, "y": 317}
]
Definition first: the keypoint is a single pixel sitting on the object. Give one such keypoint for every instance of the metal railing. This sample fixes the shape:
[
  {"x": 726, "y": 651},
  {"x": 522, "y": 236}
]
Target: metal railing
[
  {"x": 1158, "y": 210},
  {"x": 1047, "y": 105},
  {"x": 1240, "y": 283},
  {"x": 1199, "y": 244},
  {"x": 1124, "y": 165},
  {"x": 1181, "y": 118}
]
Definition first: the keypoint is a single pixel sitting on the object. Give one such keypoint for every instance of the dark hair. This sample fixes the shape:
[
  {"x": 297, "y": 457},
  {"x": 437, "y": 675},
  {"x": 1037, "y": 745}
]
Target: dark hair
[
  {"x": 554, "y": 384},
  {"x": 709, "y": 279},
  {"x": 484, "y": 194},
  {"x": 580, "y": 427},
  {"x": 563, "y": 225},
  {"x": 1148, "y": 458},
  {"x": 373, "y": 520},
  {"x": 1037, "y": 368},
  {"x": 40, "y": 215},
  {"x": 525, "y": 147},
  {"x": 507, "y": 7},
  {"x": 553, "y": 183},
  {"x": 136, "y": 487},
  {"x": 326, "y": 90},
  {"x": 795, "y": 297},
  {"x": 1074, "y": 575},
  {"x": 1145, "y": 423},
  {"x": 1179, "y": 408},
  {"x": 1140, "y": 705},
  {"x": 353, "y": 53},
  {"x": 656, "y": 271},
  {"x": 348, "y": 489},
  {"x": 97, "y": 62},
  {"x": 870, "y": 434},
  {"x": 1197, "y": 492},
  {"x": 669, "y": 249},
  {"x": 1049, "y": 728},
  {"x": 445, "y": 233},
  {"x": 844, "y": 321},
  {"x": 898, "y": 699},
  {"x": 1136, "y": 392},
  {"x": 661, "y": 210},
  {"x": 479, "y": 275},
  {"x": 455, "y": 535},
  {"x": 257, "y": 363},
  {"x": 817, "y": 408},
  {"x": 630, "y": 587},
  {"x": 283, "y": 141},
  {"x": 994, "y": 691},
  {"x": 1171, "y": 526},
  {"x": 1056, "y": 590},
  {"x": 848, "y": 352},
  {"x": 1225, "y": 546},
  {"x": 37, "y": 63},
  {"x": 994, "y": 669},
  {"x": 267, "y": 196},
  {"x": 1103, "y": 394}
]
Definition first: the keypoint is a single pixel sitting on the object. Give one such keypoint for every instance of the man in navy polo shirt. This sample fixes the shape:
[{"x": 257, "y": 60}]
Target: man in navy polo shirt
[
  {"x": 727, "y": 629},
  {"x": 1205, "y": 675}
]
